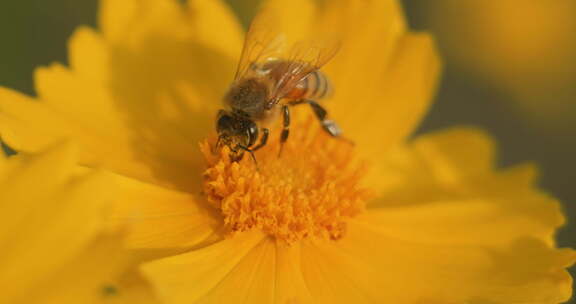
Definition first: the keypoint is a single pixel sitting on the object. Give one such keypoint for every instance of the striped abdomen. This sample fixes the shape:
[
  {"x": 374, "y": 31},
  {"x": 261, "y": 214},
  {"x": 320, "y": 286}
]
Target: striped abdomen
[{"x": 314, "y": 86}]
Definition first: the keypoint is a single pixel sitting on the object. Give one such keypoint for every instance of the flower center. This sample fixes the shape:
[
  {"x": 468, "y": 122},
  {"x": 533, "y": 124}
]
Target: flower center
[{"x": 308, "y": 191}]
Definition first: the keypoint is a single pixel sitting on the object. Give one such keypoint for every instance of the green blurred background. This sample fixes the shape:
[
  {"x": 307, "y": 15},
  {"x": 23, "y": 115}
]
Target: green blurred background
[{"x": 510, "y": 68}]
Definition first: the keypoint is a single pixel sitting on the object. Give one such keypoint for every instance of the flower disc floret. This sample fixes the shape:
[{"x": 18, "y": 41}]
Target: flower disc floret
[{"x": 310, "y": 190}]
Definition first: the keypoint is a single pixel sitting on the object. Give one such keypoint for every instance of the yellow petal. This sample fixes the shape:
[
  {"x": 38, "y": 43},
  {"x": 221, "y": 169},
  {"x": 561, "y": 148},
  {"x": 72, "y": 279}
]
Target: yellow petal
[
  {"x": 155, "y": 217},
  {"x": 54, "y": 235},
  {"x": 82, "y": 101},
  {"x": 371, "y": 34},
  {"x": 116, "y": 17},
  {"x": 448, "y": 179},
  {"x": 100, "y": 274},
  {"x": 26, "y": 126},
  {"x": 369, "y": 267},
  {"x": 270, "y": 273},
  {"x": 138, "y": 98},
  {"x": 373, "y": 268},
  {"x": 458, "y": 153},
  {"x": 63, "y": 210},
  {"x": 289, "y": 281},
  {"x": 22, "y": 173},
  {"x": 84, "y": 278},
  {"x": 31, "y": 126},
  {"x": 128, "y": 21},
  {"x": 380, "y": 109},
  {"x": 527, "y": 58},
  {"x": 291, "y": 19},
  {"x": 88, "y": 55},
  {"x": 486, "y": 221},
  {"x": 532, "y": 267},
  {"x": 133, "y": 288},
  {"x": 189, "y": 277},
  {"x": 162, "y": 157},
  {"x": 364, "y": 267},
  {"x": 161, "y": 44},
  {"x": 442, "y": 162},
  {"x": 205, "y": 16}
]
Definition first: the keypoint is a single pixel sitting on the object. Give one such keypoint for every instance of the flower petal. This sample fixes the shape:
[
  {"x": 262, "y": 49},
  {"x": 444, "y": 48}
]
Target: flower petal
[
  {"x": 269, "y": 272},
  {"x": 205, "y": 16},
  {"x": 369, "y": 267},
  {"x": 138, "y": 98},
  {"x": 60, "y": 219},
  {"x": 163, "y": 43},
  {"x": 156, "y": 218},
  {"x": 82, "y": 101},
  {"x": 372, "y": 31},
  {"x": 31, "y": 126},
  {"x": 207, "y": 268},
  {"x": 392, "y": 100},
  {"x": 384, "y": 78},
  {"x": 116, "y": 17},
  {"x": 395, "y": 102},
  {"x": 451, "y": 156},
  {"x": 126, "y": 22},
  {"x": 97, "y": 275},
  {"x": 448, "y": 179},
  {"x": 83, "y": 278},
  {"x": 457, "y": 153},
  {"x": 480, "y": 221},
  {"x": 88, "y": 55},
  {"x": 133, "y": 288},
  {"x": 21, "y": 173},
  {"x": 376, "y": 269},
  {"x": 532, "y": 267},
  {"x": 26, "y": 126}
]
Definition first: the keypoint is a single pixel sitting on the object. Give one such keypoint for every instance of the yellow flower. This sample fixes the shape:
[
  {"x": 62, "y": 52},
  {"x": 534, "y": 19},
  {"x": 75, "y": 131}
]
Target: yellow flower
[
  {"x": 525, "y": 48},
  {"x": 384, "y": 221},
  {"x": 56, "y": 247}
]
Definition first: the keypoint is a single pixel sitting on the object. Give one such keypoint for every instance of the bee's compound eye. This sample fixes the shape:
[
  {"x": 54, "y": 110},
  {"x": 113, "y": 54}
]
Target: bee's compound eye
[
  {"x": 224, "y": 121},
  {"x": 252, "y": 133}
]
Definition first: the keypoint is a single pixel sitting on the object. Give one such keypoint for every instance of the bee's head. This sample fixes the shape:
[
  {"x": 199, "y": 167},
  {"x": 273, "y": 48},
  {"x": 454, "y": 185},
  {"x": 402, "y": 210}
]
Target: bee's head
[{"x": 235, "y": 130}]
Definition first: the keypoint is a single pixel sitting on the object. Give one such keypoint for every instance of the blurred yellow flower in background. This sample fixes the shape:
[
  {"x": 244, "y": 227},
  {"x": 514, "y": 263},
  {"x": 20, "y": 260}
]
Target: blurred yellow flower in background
[
  {"x": 389, "y": 220},
  {"x": 526, "y": 48},
  {"x": 56, "y": 243}
]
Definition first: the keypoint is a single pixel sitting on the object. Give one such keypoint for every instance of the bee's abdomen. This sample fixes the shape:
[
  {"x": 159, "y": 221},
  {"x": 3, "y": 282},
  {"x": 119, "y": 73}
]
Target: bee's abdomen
[{"x": 314, "y": 86}]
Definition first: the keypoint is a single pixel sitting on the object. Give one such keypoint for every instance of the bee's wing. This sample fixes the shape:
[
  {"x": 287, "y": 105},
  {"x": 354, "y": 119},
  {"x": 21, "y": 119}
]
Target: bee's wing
[
  {"x": 268, "y": 38},
  {"x": 304, "y": 58},
  {"x": 264, "y": 40}
]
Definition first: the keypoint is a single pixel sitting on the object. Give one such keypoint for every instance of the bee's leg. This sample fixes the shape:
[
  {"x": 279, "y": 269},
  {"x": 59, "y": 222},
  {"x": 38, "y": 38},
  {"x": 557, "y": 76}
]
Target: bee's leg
[
  {"x": 263, "y": 139},
  {"x": 328, "y": 125},
  {"x": 286, "y": 127},
  {"x": 251, "y": 154}
]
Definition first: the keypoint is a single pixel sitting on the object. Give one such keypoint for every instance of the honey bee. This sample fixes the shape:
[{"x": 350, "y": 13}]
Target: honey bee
[{"x": 271, "y": 79}]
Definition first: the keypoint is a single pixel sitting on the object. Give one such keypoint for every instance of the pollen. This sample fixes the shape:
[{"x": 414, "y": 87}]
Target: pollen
[{"x": 310, "y": 190}]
